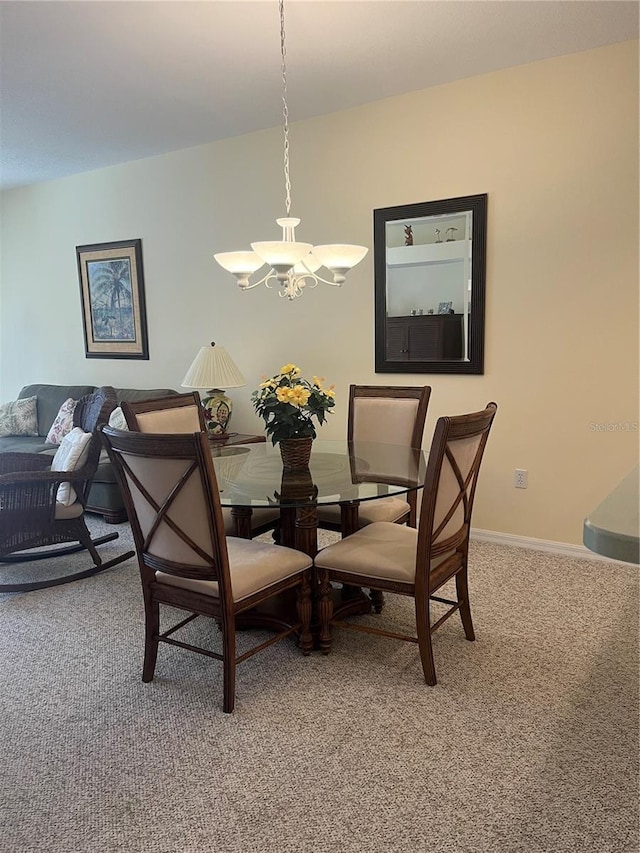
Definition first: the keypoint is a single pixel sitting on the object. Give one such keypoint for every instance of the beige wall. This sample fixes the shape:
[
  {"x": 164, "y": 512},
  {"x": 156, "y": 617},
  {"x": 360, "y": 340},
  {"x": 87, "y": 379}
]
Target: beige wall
[{"x": 555, "y": 146}]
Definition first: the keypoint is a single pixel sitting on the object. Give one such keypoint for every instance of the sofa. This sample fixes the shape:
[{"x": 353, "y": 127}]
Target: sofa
[{"x": 105, "y": 497}]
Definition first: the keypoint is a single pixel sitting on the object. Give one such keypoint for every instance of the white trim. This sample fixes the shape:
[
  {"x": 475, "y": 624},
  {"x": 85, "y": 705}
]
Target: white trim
[{"x": 564, "y": 549}]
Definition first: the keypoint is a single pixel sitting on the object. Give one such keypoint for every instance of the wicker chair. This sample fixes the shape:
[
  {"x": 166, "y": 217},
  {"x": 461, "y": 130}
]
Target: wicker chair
[{"x": 32, "y": 517}]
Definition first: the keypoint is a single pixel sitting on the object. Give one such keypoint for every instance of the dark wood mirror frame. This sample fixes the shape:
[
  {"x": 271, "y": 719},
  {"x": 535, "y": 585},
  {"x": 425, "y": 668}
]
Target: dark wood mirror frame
[{"x": 432, "y": 326}]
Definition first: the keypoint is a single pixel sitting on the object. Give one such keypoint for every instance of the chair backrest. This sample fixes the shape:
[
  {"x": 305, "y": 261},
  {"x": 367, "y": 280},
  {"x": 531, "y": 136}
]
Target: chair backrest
[
  {"x": 387, "y": 415},
  {"x": 169, "y": 486},
  {"x": 450, "y": 484},
  {"x": 180, "y": 413},
  {"x": 90, "y": 413}
]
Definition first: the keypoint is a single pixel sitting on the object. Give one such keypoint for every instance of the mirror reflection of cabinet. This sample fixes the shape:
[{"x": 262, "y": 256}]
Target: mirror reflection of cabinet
[
  {"x": 430, "y": 285},
  {"x": 426, "y": 338}
]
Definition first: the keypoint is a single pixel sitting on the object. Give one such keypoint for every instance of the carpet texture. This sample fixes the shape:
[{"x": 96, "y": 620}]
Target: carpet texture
[{"x": 529, "y": 742}]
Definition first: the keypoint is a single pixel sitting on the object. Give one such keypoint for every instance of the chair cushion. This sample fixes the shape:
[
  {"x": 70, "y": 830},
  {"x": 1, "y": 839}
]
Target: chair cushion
[
  {"x": 381, "y": 550},
  {"x": 380, "y": 509},
  {"x": 253, "y": 566},
  {"x": 184, "y": 419},
  {"x": 63, "y": 422},
  {"x": 19, "y": 417},
  {"x": 72, "y": 511},
  {"x": 71, "y": 455}
]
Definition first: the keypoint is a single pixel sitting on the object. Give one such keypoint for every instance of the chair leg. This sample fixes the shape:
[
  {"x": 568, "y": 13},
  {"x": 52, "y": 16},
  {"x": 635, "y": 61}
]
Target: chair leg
[
  {"x": 462, "y": 590},
  {"x": 325, "y": 610},
  {"x": 229, "y": 666},
  {"x": 85, "y": 538},
  {"x": 412, "y": 499},
  {"x": 377, "y": 599},
  {"x": 303, "y": 605},
  {"x": 151, "y": 631},
  {"x": 423, "y": 626}
]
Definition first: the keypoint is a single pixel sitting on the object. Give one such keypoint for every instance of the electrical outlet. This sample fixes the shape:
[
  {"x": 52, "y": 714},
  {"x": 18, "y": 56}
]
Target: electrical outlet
[{"x": 520, "y": 478}]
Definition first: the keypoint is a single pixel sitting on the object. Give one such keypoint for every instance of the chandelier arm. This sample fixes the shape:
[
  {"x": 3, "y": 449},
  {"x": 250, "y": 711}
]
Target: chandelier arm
[
  {"x": 270, "y": 279},
  {"x": 263, "y": 280},
  {"x": 326, "y": 281}
]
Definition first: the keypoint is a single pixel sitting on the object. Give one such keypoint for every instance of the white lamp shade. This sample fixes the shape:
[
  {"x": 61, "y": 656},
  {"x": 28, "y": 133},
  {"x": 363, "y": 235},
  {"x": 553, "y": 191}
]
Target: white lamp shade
[
  {"x": 339, "y": 256},
  {"x": 244, "y": 263},
  {"x": 281, "y": 255},
  {"x": 213, "y": 367}
]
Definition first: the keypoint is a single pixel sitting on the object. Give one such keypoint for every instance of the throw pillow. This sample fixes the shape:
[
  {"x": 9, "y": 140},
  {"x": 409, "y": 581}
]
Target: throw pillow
[
  {"x": 117, "y": 420},
  {"x": 19, "y": 417},
  {"x": 62, "y": 423},
  {"x": 71, "y": 455}
]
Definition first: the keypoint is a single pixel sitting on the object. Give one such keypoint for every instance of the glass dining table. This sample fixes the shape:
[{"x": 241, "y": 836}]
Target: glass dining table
[{"x": 340, "y": 474}]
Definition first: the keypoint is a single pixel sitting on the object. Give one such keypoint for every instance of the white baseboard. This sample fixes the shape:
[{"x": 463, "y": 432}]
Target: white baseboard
[{"x": 564, "y": 549}]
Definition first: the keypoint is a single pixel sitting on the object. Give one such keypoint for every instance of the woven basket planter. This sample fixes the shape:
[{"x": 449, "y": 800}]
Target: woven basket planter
[{"x": 296, "y": 453}]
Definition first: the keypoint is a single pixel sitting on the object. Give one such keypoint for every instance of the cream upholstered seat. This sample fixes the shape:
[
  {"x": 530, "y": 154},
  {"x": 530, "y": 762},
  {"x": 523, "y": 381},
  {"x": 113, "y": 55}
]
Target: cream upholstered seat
[
  {"x": 387, "y": 556},
  {"x": 386, "y": 415},
  {"x": 183, "y": 413},
  {"x": 185, "y": 559}
]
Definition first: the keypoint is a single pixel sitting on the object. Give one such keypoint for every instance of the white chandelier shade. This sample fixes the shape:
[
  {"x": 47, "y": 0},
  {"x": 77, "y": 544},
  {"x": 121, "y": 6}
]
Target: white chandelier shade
[{"x": 292, "y": 265}]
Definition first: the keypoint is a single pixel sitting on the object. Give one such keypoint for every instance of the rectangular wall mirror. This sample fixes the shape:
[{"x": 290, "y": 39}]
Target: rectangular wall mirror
[{"x": 430, "y": 261}]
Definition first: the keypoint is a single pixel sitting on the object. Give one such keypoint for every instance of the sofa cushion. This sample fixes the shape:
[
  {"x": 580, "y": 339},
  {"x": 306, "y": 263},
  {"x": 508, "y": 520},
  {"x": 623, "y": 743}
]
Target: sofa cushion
[
  {"x": 105, "y": 472},
  {"x": 134, "y": 395},
  {"x": 50, "y": 398},
  {"x": 25, "y": 444},
  {"x": 71, "y": 455},
  {"x": 63, "y": 422},
  {"x": 19, "y": 417},
  {"x": 117, "y": 419}
]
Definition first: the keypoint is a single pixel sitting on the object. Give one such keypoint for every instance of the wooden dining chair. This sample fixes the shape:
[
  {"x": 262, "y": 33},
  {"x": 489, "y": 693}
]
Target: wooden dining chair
[
  {"x": 176, "y": 413},
  {"x": 186, "y": 561},
  {"x": 183, "y": 413},
  {"x": 416, "y": 563},
  {"x": 385, "y": 415}
]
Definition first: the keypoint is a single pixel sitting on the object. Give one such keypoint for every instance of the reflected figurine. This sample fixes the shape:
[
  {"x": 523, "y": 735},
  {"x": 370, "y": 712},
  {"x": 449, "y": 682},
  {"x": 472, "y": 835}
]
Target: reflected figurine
[
  {"x": 408, "y": 235},
  {"x": 438, "y": 240}
]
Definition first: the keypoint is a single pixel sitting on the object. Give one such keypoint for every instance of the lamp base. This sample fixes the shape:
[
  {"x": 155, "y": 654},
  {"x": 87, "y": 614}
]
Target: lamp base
[{"x": 217, "y": 412}]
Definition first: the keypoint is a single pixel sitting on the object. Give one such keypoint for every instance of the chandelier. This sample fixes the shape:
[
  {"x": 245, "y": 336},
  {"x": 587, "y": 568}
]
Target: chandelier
[{"x": 292, "y": 265}]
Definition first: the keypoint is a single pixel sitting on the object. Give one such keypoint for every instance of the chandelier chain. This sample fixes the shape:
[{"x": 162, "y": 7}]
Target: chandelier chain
[{"x": 285, "y": 112}]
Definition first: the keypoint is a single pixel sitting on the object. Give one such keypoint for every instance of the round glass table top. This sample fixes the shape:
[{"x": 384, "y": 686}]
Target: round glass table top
[{"x": 252, "y": 475}]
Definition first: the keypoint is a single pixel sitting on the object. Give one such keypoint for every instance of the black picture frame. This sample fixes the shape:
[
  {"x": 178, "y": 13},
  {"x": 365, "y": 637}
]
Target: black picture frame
[
  {"x": 465, "y": 334},
  {"x": 114, "y": 313}
]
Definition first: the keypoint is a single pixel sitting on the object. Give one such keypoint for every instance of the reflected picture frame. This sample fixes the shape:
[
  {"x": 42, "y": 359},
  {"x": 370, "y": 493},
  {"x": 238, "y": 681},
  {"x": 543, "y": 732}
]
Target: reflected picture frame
[{"x": 113, "y": 303}]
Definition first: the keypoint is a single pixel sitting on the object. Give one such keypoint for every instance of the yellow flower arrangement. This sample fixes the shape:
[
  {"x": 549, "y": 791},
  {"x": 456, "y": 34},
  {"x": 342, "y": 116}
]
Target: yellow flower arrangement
[{"x": 288, "y": 403}]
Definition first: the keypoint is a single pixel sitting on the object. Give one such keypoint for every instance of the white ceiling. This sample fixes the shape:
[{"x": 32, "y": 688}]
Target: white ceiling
[{"x": 87, "y": 84}]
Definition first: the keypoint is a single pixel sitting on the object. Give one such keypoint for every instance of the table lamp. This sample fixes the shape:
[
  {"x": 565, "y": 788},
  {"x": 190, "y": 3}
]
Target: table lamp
[{"x": 214, "y": 368}]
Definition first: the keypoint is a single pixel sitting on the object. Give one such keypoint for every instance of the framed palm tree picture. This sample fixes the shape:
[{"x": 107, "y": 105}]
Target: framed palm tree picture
[{"x": 112, "y": 292}]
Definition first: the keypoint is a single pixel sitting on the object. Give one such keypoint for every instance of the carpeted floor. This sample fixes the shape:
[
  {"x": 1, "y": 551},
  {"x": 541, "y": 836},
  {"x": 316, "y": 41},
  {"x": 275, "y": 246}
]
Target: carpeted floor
[{"x": 528, "y": 743}]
